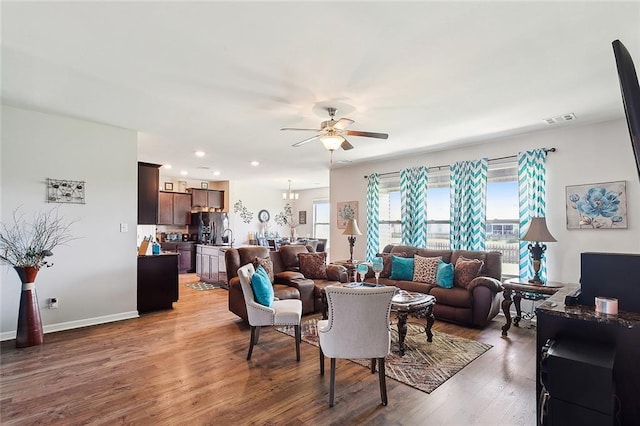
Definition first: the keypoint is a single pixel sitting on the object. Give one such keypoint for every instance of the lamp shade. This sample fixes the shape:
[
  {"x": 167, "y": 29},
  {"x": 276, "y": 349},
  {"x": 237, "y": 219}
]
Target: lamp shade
[
  {"x": 332, "y": 142},
  {"x": 352, "y": 228},
  {"x": 538, "y": 231}
]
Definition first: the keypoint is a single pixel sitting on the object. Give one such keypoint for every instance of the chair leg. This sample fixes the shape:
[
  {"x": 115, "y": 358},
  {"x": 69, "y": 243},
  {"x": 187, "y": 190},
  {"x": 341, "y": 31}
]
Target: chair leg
[
  {"x": 255, "y": 332},
  {"x": 332, "y": 382},
  {"x": 383, "y": 381},
  {"x": 321, "y": 361},
  {"x": 298, "y": 338},
  {"x": 373, "y": 365}
]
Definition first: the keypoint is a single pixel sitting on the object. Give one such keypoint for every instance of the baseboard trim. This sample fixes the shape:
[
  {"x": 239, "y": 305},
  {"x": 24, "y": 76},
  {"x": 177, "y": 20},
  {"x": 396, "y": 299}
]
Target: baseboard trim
[{"x": 69, "y": 325}]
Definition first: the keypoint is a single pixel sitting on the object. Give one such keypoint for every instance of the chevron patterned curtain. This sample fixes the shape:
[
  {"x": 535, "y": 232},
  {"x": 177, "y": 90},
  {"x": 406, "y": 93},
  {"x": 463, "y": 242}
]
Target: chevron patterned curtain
[
  {"x": 413, "y": 198},
  {"x": 373, "y": 216},
  {"x": 531, "y": 193},
  {"x": 469, "y": 204}
]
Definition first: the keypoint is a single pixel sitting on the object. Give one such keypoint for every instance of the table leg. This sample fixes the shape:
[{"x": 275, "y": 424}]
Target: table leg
[
  {"x": 506, "y": 306},
  {"x": 402, "y": 330},
  {"x": 517, "y": 296},
  {"x": 323, "y": 297},
  {"x": 430, "y": 320}
]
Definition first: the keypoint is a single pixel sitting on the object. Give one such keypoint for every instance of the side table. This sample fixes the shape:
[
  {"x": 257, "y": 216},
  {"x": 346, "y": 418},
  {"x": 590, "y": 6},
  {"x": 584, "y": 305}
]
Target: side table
[{"x": 523, "y": 290}]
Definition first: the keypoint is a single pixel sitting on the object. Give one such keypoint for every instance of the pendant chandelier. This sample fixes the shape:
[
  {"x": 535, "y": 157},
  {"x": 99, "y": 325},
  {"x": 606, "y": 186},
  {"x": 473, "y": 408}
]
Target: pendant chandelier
[{"x": 290, "y": 196}]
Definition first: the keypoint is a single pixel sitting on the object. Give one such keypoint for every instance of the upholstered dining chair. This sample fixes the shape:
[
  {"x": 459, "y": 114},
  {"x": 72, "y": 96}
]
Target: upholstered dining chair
[
  {"x": 281, "y": 312},
  {"x": 357, "y": 327}
]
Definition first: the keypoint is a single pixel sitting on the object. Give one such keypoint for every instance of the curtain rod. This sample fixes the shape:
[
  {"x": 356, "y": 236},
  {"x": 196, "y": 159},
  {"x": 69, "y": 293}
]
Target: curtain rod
[{"x": 449, "y": 165}]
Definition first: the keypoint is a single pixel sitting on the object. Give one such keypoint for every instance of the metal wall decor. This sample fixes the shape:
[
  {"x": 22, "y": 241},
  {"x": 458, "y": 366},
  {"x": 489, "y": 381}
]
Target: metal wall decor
[{"x": 65, "y": 191}]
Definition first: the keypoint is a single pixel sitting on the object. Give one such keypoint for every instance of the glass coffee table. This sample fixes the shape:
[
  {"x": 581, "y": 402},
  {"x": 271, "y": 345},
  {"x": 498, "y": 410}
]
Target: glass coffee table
[{"x": 404, "y": 303}]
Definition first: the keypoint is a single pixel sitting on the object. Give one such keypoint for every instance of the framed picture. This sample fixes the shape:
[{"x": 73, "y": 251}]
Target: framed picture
[
  {"x": 347, "y": 210},
  {"x": 168, "y": 186},
  {"x": 597, "y": 206},
  {"x": 204, "y": 185},
  {"x": 302, "y": 217}
]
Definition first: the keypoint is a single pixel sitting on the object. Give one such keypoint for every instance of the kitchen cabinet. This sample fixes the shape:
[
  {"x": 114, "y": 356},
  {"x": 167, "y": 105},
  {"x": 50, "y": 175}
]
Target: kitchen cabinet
[
  {"x": 174, "y": 208},
  {"x": 148, "y": 186},
  {"x": 211, "y": 198},
  {"x": 210, "y": 265},
  {"x": 157, "y": 282},
  {"x": 186, "y": 255}
]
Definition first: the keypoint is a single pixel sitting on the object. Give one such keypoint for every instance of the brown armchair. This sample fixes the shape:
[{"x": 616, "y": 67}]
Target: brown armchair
[{"x": 288, "y": 282}]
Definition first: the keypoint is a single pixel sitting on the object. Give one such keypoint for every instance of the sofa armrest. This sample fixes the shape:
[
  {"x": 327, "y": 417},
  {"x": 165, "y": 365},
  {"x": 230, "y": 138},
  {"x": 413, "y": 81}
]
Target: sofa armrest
[
  {"x": 488, "y": 282},
  {"x": 285, "y": 277},
  {"x": 337, "y": 273}
]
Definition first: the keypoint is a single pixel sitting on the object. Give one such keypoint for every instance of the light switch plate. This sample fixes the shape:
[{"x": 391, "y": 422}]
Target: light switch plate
[{"x": 124, "y": 227}]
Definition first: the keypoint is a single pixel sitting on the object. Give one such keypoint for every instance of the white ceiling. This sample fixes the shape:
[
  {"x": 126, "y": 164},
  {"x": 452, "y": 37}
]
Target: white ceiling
[{"x": 224, "y": 77}]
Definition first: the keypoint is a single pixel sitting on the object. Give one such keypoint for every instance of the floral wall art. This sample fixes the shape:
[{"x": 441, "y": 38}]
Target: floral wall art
[
  {"x": 597, "y": 206},
  {"x": 347, "y": 210}
]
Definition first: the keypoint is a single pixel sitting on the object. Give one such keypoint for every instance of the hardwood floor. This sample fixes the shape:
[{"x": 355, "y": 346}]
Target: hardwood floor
[{"x": 188, "y": 366}]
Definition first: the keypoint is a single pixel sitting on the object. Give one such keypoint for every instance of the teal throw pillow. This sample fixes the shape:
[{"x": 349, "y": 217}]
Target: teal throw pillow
[
  {"x": 401, "y": 268},
  {"x": 444, "y": 275},
  {"x": 262, "y": 288}
]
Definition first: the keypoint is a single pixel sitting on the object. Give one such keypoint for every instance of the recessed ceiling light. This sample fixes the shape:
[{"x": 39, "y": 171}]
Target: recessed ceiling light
[
  {"x": 216, "y": 173},
  {"x": 255, "y": 163},
  {"x": 184, "y": 172},
  {"x": 167, "y": 166},
  {"x": 199, "y": 153}
]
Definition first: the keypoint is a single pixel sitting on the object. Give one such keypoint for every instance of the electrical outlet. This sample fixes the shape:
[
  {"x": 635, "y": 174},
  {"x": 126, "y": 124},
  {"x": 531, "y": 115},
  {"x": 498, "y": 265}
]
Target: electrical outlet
[{"x": 53, "y": 303}]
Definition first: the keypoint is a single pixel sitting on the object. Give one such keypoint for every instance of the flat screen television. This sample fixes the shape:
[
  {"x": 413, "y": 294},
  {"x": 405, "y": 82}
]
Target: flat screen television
[{"x": 630, "y": 95}]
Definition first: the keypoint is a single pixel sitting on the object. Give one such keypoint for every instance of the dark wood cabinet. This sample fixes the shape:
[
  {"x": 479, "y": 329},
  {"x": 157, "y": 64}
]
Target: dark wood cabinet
[
  {"x": 174, "y": 208},
  {"x": 157, "y": 282},
  {"x": 211, "y": 198},
  {"x": 186, "y": 255},
  {"x": 561, "y": 322},
  {"x": 148, "y": 186}
]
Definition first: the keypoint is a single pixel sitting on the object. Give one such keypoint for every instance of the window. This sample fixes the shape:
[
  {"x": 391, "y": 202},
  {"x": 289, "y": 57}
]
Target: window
[
  {"x": 502, "y": 212},
  {"x": 321, "y": 218},
  {"x": 390, "y": 221}
]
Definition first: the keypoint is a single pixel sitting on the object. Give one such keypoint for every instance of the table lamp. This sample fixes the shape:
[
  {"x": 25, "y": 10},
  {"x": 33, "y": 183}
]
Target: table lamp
[
  {"x": 537, "y": 233},
  {"x": 351, "y": 230}
]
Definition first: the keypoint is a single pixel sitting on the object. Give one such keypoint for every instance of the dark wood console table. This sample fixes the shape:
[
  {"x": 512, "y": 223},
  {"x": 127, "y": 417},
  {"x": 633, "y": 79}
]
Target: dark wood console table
[
  {"x": 557, "y": 321},
  {"x": 521, "y": 289}
]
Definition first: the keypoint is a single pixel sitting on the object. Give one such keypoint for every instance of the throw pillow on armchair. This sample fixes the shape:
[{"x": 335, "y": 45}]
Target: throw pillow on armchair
[
  {"x": 466, "y": 270},
  {"x": 313, "y": 265}
]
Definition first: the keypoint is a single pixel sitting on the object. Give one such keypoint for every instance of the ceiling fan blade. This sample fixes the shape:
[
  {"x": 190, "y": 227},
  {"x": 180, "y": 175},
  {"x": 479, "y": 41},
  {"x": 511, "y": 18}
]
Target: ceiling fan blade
[
  {"x": 367, "y": 134},
  {"x": 343, "y": 123},
  {"x": 346, "y": 145},
  {"x": 302, "y": 142},
  {"x": 297, "y": 128}
]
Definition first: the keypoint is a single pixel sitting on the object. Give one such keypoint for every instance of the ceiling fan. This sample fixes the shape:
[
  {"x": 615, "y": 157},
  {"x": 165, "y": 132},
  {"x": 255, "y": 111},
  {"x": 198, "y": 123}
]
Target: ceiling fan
[{"x": 332, "y": 133}]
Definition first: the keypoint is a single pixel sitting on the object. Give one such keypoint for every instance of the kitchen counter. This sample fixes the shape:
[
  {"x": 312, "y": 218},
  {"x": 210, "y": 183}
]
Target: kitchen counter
[{"x": 187, "y": 252}]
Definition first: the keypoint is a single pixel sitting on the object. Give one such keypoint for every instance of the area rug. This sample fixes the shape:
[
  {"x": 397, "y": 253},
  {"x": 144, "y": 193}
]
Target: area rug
[
  {"x": 425, "y": 366},
  {"x": 202, "y": 286}
]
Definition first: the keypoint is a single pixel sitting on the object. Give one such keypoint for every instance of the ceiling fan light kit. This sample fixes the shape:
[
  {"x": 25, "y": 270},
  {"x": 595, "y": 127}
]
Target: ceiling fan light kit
[
  {"x": 332, "y": 132},
  {"x": 332, "y": 142}
]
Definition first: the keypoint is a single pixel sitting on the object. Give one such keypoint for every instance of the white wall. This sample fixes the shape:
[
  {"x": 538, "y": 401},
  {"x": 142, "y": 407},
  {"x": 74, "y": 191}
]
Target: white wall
[
  {"x": 586, "y": 154},
  {"x": 94, "y": 277},
  {"x": 305, "y": 202},
  {"x": 255, "y": 198}
]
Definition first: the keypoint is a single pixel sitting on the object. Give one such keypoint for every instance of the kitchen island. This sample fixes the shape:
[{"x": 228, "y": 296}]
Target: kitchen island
[
  {"x": 157, "y": 282},
  {"x": 210, "y": 265}
]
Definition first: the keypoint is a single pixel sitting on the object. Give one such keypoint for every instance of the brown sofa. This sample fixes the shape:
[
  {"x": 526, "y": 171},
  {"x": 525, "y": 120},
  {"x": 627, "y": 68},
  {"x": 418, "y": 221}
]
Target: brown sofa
[
  {"x": 475, "y": 305},
  {"x": 288, "y": 283}
]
